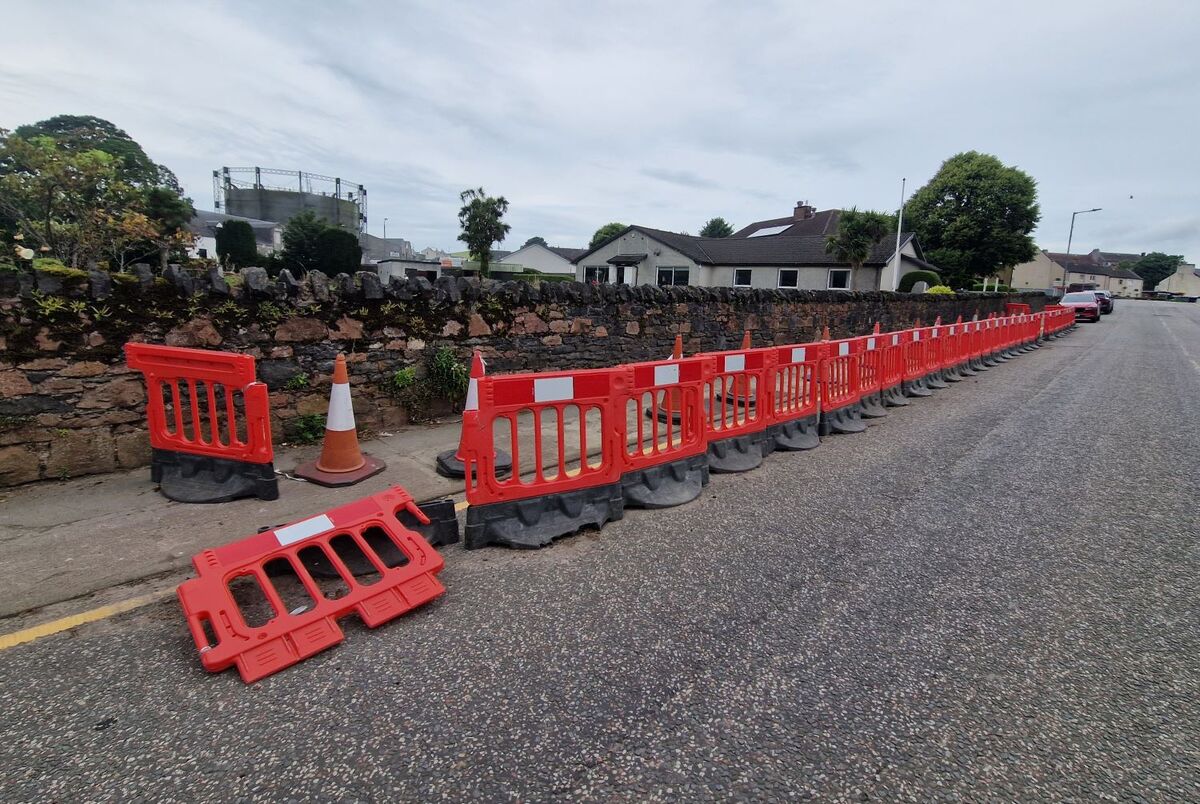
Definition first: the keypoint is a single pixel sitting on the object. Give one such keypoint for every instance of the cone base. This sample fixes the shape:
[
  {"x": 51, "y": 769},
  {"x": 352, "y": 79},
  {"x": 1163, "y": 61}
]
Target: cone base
[
  {"x": 370, "y": 468},
  {"x": 448, "y": 464}
]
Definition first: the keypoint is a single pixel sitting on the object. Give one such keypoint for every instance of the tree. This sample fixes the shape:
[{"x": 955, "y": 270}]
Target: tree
[
  {"x": 974, "y": 216},
  {"x": 856, "y": 236},
  {"x": 716, "y": 227},
  {"x": 80, "y": 133},
  {"x": 1154, "y": 267},
  {"x": 338, "y": 251},
  {"x": 171, "y": 214},
  {"x": 605, "y": 232},
  {"x": 300, "y": 235},
  {"x": 541, "y": 241},
  {"x": 235, "y": 244},
  {"x": 480, "y": 217}
]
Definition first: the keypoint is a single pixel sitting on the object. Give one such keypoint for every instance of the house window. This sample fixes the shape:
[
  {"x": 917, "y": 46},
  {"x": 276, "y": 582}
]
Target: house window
[
  {"x": 595, "y": 273},
  {"x": 203, "y": 252},
  {"x": 789, "y": 278},
  {"x": 741, "y": 277},
  {"x": 839, "y": 278},
  {"x": 672, "y": 276}
]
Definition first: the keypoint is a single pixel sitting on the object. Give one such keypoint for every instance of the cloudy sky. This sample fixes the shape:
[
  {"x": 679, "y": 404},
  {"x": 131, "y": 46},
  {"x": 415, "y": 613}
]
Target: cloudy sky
[{"x": 662, "y": 114}]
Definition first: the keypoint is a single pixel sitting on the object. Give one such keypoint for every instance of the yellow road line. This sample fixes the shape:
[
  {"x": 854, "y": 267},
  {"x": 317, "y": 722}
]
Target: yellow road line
[{"x": 75, "y": 620}]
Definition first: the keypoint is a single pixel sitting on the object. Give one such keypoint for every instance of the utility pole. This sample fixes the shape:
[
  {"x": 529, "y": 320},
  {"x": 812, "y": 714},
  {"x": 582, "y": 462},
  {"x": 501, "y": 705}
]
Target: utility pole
[
  {"x": 1070, "y": 236},
  {"x": 899, "y": 228}
]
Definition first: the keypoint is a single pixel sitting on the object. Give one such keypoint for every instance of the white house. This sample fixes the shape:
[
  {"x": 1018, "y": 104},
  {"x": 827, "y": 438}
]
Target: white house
[
  {"x": 780, "y": 253},
  {"x": 546, "y": 259},
  {"x": 268, "y": 235}
]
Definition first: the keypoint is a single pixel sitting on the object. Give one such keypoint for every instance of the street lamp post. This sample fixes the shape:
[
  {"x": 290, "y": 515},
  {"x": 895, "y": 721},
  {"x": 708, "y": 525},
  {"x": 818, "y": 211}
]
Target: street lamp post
[
  {"x": 1070, "y": 236},
  {"x": 385, "y": 228}
]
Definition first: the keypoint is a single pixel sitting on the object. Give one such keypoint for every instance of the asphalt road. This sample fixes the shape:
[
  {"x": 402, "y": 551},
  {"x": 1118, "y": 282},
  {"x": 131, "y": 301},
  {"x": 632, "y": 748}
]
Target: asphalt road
[{"x": 992, "y": 594}]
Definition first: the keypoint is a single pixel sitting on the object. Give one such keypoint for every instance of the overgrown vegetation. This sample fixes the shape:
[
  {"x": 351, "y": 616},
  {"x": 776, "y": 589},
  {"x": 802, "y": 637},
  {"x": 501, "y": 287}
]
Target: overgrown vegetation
[
  {"x": 449, "y": 376},
  {"x": 297, "y": 382},
  {"x": 307, "y": 429}
]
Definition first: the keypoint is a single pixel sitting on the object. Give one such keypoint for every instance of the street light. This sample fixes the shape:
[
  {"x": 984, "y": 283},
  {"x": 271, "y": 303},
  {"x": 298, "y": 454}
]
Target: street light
[{"x": 1070, "y": 235}]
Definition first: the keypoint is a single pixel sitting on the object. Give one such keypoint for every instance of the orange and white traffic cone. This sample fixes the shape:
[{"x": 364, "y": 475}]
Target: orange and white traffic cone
[
  {"x": 342, "y": 463},
  {"x": 452, "y": 463}
]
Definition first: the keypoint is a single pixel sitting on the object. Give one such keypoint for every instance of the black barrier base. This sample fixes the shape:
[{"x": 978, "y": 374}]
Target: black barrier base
[
  {"x": 967, "y": 370},
  {"x": 916, "y": 388},
  {"x": 448, "y": 464},
  {"x": 540, "y": 520},
  {"x": 443, "y": 522},
  {"x": 990, "y": 361},
  {"x": 952, "y": 374},
  {"x": 796, "y": 435},
  {"x": 739, "y": 453},
  {"x": 977, "y": 365},
  {"x": 665, "y": 486},
  {"x": 872, "y": 406},
  {"x": 894, "y": 397},
  {"x": 934, "y": 380},
  {"x": 845, "y": 420},
  {"x": 188, "y": 478}
]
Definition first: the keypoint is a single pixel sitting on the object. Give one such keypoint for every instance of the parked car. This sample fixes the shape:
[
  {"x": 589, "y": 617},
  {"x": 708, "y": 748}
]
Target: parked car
[
  {"x": 1106, "y": 300},
  {"x": 1085, "y": 303}
]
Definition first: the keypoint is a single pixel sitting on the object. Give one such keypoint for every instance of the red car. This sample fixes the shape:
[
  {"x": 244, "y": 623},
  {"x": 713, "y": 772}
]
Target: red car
[{"x": 1085, "y": 303}]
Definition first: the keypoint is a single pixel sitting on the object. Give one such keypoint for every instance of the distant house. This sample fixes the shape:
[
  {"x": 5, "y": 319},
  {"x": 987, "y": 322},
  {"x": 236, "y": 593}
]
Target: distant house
[
  {"x": 778, "y": 253},
  {"x": 546, "y": 259},
  {"x": 1047, "y": 270},
  {"x": 204, "y": 224},
  {"x": 376, "y": 249},
  {"x": 1185, "y": 280}
]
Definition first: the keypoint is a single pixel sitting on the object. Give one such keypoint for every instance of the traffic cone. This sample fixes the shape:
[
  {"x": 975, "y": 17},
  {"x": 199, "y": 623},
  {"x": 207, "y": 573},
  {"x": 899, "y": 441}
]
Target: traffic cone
[
  {"x": 877, "y": 330},
  {"x": 452, "y": 463},
  {"x": 746, "y": 339},
  {"x": 341, "y": 463},
  {"x": 670, "y": 407}
]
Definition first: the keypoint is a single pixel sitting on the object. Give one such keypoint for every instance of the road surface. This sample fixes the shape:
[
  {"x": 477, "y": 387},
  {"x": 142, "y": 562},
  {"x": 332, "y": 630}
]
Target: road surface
[{"x": 991, "y": 593}]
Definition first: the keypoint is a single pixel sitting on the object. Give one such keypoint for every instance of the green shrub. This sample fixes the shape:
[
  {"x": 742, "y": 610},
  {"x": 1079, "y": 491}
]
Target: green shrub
[
  {"x": 56, "y": 268},
  {"x": 308, "y": 429},
  {"x": 992, "y": 288},
  {"x": 941, "y": 290},
  {"x": 412, "y": 393},
  {"x": 297, "y": 382},
  {"x": 447, "y": 375},
  {"x": 913, "y": 277},
  {"x": 8, "y": 267}
]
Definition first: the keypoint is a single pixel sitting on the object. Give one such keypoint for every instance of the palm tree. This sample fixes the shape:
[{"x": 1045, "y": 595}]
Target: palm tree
[{"x": 856, "y": 235}]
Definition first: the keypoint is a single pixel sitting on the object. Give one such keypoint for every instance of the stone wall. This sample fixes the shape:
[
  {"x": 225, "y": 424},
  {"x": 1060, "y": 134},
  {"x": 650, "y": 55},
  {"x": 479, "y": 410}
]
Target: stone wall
[{"x": 68, "y": 405}]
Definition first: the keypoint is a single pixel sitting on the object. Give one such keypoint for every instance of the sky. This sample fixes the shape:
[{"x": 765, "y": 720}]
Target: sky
[{"x": 659, "y": 114}]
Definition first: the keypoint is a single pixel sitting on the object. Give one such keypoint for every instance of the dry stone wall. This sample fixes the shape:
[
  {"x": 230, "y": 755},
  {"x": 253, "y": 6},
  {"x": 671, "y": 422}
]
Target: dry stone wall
[{"x": 68, "y": 405}]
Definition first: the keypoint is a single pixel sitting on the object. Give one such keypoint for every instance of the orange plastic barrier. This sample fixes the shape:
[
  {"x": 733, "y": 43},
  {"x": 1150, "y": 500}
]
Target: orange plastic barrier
[
  {"x": 735, "y": 424},
  {"x": 841, "y": 393},
  {"x": 795, "y": 397},
  {"x": 870, "y": 351},
  {"x": 209, "y": 421},
  {"x": 917, "y": 363},
  {"x": 273, "y": 599}
]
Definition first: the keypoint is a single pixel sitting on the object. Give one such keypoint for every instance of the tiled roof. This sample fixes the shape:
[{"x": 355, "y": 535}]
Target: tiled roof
[
  {"x": 567, "y": 253},
  {"x": 821, "y": 223},
  {"x": 1084, "y": 264},
  {"x": 767, "y": 250}
]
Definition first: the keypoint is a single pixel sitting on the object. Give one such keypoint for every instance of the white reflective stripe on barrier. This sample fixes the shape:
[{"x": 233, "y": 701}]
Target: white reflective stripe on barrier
[
  {"x": 895, "y": 340},
  {"x": 735, "y": 363},
  {"x": 553, "y": 389},
  {"x": 341, "y": 412},
  {"x": 951, "y": 329},
  {"x": 666, "y": 375},
  {"x": 916, "y": 335},
  {"x": 870, "y": 343},
  {"x": 935, "y": 333},
  {"x": 843, "y": 349},
  {"x": 303, "y": 529},
  {"x": 798, "y": 353}
]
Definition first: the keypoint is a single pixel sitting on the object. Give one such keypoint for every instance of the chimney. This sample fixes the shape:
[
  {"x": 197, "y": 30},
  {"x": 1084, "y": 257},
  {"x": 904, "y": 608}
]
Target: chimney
[{"x": 803, "y": 211}]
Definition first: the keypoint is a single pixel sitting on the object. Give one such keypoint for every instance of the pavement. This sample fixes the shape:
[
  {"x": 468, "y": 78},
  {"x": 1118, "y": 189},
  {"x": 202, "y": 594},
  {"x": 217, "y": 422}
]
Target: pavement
[{"x": 989, "y": 595}]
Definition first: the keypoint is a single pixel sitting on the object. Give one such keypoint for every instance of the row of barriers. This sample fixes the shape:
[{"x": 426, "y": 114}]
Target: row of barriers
[{"x": 586, "y": 444}]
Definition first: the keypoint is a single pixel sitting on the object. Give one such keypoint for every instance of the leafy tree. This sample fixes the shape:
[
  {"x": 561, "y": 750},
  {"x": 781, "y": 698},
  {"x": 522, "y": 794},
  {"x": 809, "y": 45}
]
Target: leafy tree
[
  {"x": 605, "y": 232},
  {"x": 77, "y": 134},
  {"x": 338, "y": 251},
  {"x": 974, "y": 217},
  {"x": 170, "y": 213},
  {"x": 300, "y": 235},
  {"x": 1154, "y": 267},
  {"x": 541, "y": 241},
  {"x": 480, "y": 217},
  {"x": 717, "y": 227},
  {"x": 856, "y": 236},
  {"x": 235, "y": 243}
]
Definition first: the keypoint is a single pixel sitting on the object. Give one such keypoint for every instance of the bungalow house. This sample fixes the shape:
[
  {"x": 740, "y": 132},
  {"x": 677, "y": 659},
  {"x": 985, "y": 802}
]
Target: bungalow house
[
  {"x": 778, "y": 253},
  {"x": 1185, "y": 280},
  {"x": 545, "y": 259},
  {"x": 1047, "y": 270}
]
